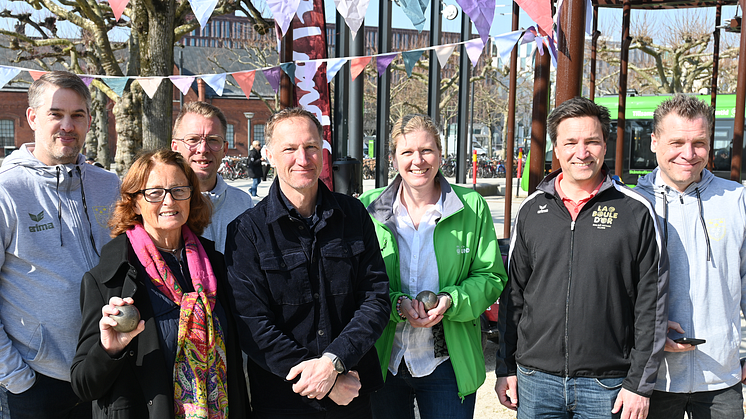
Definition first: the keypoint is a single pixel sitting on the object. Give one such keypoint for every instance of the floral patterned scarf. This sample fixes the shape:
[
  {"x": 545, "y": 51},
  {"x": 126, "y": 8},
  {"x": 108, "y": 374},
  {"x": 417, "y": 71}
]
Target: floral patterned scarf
[{"x": 200, "y": 373}]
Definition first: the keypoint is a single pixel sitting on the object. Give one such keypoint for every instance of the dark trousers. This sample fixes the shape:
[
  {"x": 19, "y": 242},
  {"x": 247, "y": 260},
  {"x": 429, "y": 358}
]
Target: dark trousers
[
  {"x": 48, "y": 398},
  {"x": 718, "y": 404},
  {"x": 359, "y": 408}
]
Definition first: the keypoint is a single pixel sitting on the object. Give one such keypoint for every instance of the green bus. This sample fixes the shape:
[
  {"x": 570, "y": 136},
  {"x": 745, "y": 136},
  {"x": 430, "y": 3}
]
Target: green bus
[{"x": 638, "y": 159}]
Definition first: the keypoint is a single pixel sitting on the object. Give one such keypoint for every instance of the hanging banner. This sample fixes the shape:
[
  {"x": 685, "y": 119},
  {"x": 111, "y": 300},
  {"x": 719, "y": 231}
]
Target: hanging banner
[{"x": 312, "y": 88}]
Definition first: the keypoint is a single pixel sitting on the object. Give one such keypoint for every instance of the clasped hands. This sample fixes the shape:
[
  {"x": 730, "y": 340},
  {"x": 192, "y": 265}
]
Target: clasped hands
[
  {"x": 414, "y": 311},
  {"x": 318, "y": 379}
]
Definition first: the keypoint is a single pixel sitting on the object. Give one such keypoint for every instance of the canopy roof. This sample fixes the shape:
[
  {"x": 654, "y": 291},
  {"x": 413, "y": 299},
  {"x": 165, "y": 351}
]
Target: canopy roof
[{"x": 664, "y": 4}]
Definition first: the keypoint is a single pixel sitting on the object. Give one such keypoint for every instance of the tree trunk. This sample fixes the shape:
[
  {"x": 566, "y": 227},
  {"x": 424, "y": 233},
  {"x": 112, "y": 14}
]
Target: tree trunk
[
  {"x": 127, "y": 112},
  {"x": 97, "y": 142}
]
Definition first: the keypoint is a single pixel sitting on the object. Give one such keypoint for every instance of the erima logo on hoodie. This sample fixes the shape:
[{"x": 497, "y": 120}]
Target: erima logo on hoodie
[{"x": 39, "y": 227}]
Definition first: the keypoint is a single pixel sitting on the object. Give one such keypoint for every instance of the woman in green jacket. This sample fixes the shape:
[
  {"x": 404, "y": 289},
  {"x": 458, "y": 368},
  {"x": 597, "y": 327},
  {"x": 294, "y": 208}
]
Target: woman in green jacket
[{"x": 439, "y": 238}]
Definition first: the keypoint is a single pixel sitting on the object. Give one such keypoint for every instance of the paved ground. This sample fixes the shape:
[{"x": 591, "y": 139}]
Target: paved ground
[{"x": 487, "y": 403}]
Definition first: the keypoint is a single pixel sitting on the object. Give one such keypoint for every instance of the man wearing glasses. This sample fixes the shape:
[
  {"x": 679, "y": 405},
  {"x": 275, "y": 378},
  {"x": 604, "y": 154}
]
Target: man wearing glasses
[{"x": 199, "y": 136}]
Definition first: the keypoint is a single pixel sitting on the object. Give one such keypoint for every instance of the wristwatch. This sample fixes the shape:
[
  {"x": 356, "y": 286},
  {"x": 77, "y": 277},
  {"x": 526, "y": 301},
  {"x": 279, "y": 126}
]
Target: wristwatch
[{"x": 339, "y": 366}]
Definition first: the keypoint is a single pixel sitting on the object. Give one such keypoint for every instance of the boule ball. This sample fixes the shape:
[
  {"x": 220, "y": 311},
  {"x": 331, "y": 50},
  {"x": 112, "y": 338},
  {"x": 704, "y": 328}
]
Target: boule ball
[
  {"x": 127, "y": 319},
  {"x": 428, "y": 298}
]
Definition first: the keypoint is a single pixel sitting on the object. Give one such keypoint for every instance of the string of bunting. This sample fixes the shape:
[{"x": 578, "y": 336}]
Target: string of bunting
[{"x": 305, "y": 69}]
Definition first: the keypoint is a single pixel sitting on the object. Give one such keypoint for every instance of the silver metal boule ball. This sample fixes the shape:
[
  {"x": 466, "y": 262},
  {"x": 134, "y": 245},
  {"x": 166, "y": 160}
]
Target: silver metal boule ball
[
  {"x": 428, "y": 298},
  {"x": 127, "y": 319}
]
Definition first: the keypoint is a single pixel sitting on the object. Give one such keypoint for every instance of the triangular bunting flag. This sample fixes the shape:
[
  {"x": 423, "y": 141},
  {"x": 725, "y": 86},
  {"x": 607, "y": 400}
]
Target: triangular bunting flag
[
  {"x": 117, "y": 7},
  {"x": 289, "y": 69},
  {"x": 283, "y": 12},
  {"x": 7, "y": 74},
  {"x": 333, "y": 66},
  {"x": 183, "y": 83},
  {"x": 87, "y": 80},
  {"x": 306, "y": 70},
  {"x": 505, "y": 44},
  {"x": 529, "y": 35},
  {"x": 273, "y": 77},
  {"x": 540, "y": 45},
  {"x": 202, "y": 10},
  {"x": 415, "y": 11},
  {"x": 383, "y": 61},
  {"x": 117, "y": 84},
  {"x": 410, "y": 59},
  {"x": 150, "y": 84},
  {"x": 353, "y": 12},
  {"x": 474, "y": 50},
  {"x": 540, "y": 11},
  {"x": 444, "y": 52},
  {"x": 357, "y": 64},
  {"x": 482, "y": 13},
  {"x": 215, "y": 81},
  {"x": 246, "y": 81},
  {"x": 36, "y": 74},
  {"x": 552, "y": 50}
]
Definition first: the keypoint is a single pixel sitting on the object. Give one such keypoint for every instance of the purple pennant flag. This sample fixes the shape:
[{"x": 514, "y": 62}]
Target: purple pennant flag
[
  {"x": 529, "y": 35},
  {"x": 540, "y": 45},
  {"x": 474, "y": 50},
  {"x": 183, "y": 83},
  {"x": 383, "y": 61},
  {"x": 87, "y": 80},
  {"x": 273, "y": 77},
  {"x": 482, "y": 13},
  {"x": 552, "y": 50}
]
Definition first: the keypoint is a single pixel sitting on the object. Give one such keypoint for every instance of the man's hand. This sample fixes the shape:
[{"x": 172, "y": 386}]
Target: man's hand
[
  {"x": 743, "y": 373},
  {"x": 633, "y": 406},
  {"x": 672, "y": 346},
  {"x": 112, "y": 341},
  {"x": 346, "y": 388},
  {"x": 507, "y": 391},
  {"x": 414, "y": 312},
  {"x": 316, "y": 377}
]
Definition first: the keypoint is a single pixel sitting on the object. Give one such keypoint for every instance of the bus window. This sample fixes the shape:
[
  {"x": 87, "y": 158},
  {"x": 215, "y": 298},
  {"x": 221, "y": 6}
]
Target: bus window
[
  {"x": 722, "y": 144},
  {"x": 641, "y": 157}
]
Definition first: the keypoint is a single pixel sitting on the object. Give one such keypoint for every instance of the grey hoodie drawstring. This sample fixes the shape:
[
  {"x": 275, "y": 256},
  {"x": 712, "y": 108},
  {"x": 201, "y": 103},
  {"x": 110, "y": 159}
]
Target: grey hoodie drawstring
[
  {"x": 665, "y": 217},
  {"x": 704, "y": 225},
  {"x": 85, "y": 210},
  {"x": 59, "y": 203}
]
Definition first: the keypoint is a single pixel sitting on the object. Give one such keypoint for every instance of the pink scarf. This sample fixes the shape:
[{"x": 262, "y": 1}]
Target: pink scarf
[{"x": 200, "y": 373}]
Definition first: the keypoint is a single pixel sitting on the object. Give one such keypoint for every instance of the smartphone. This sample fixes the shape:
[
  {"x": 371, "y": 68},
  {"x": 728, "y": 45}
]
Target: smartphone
[{"x": 690, "y": 341}]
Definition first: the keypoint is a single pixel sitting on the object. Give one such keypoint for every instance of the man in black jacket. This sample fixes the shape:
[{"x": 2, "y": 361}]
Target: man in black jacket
[
  {"x": 586, "y": 309},
  {"x": 255, "y": 166},
  {"x": 309, "y": 284}
]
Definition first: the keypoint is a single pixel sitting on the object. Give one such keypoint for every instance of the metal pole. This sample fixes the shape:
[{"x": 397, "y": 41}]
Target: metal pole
[
  {"x": 539, "y": 120},
  {"x": 737, "y": 153},
  {"x": 571, "y": 47},
  {"x": 434, "y": 76},
  {"x": 384, "y": 96},
  {"x": 621, "y": 121},
  {"x": 355, "y": 104},
  {"x": 510, "y": 143},
  {"x": 594, "y": 51},
  {"x": 714, "y": 84},
  {"x": 463, "y": 102},
  {"x": 287, "y": 88},
  {"x": 341, "y": 87}
]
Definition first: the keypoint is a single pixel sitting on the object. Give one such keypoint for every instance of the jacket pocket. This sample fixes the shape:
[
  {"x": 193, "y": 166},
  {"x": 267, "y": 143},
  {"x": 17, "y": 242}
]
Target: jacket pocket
[
  {"x": 35, "y": 348},
  {"x": 287, "y": 277},
  {"x": 341, "y": 260}
]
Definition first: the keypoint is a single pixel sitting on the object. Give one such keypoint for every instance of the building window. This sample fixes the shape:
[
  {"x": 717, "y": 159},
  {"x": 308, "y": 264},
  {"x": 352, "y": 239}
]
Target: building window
[
  {"x": 229, "y": 136},
  {"x": 259, "y": 133},
  {"x": 7, "y": 133}
]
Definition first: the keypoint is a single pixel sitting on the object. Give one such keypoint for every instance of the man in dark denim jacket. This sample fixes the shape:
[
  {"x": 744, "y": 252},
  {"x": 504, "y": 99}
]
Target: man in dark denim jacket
[{"x": 309, "y": 285}]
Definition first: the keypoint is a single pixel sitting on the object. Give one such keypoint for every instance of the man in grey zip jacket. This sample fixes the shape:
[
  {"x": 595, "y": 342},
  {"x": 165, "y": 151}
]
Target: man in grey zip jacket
[
  {"x": 704, "y": 222},
  {"x": 54, "y": 210}
]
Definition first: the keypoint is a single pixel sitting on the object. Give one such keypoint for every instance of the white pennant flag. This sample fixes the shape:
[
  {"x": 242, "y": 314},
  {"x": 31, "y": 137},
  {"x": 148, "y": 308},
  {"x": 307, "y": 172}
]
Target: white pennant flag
[
  {"x": 332, "y": 67},
  {"x": 150, "y": 84},
  {"x": 353, "y": 12},
  {"x": 444, "y": 52}
]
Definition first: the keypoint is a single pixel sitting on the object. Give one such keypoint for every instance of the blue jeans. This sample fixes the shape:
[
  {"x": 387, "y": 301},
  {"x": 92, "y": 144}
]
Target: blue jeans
[
  {"x": 48, "y": 398},
  {"x": 4, "y": 414},
  {"x": 255, "y": 182},
  {"x": 437, "y": 396},
  {"x": 721, "y": 404},
  {"x": 542, "y": 395}
]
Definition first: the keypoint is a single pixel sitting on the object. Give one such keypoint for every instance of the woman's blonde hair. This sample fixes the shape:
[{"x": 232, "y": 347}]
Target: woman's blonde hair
[
  {"x": 411, "y": 123},
  {"x": 124, "y": 217}
]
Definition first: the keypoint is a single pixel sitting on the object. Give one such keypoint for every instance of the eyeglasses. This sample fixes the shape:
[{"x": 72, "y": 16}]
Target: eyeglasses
[
  {"x": 179, "y": 193},
  {"x": 192, "y": 141}
]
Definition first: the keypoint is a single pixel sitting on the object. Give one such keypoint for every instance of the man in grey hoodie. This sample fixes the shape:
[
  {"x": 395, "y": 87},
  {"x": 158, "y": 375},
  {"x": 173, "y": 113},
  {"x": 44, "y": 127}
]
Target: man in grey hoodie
[
  {"x": 199, "y": 136},
  {"x": 54, "y": 210},
  {"x": 704, "y": 222}
]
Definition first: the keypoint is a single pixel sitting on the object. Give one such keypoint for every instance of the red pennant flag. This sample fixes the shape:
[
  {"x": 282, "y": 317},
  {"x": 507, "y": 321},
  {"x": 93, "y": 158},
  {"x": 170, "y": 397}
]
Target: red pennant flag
[
  {"x": 36, "y": 74},
  {"x": 245, "y": 80},
  {"x": 357, "y": 65}
]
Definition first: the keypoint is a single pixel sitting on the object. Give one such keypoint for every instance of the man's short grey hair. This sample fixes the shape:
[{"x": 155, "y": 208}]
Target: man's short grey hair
[
  {"x": 288, "y": 113},
  {"x": 687, "y": 107},
  {"x": 61, "y": 80},
  {"x": 203, "y": 109}
]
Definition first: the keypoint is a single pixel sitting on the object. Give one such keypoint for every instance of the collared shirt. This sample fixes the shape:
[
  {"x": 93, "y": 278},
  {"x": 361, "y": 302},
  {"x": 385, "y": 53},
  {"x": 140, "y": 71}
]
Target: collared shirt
[
  {"x": 419, "y": 272},
  {"x": 572, "y": 206}
]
